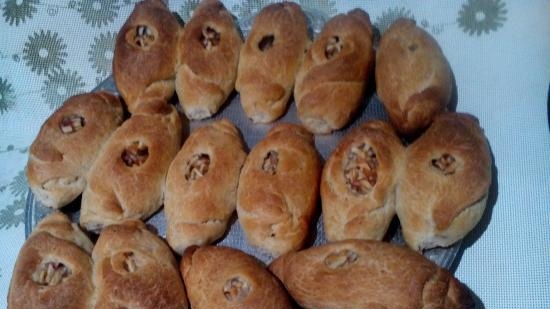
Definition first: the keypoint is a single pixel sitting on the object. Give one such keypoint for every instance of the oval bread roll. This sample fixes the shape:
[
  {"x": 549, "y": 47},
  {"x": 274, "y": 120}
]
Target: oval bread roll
[
  {"x": 269, "y": 60},
  {"x": 54, "y": 267},
  {"x": 209, "y": 54},
  {"x": 413, "y": 78},
  {"x": 359, "y": 182},
  {"x": 443, "y": 192},
  {"x": 234, "y": 280},
  {"x": 144, "y": 62},
  {"x": 367, "y": 274},
  {"x": 278, "y": 189},
  {"x": 67, "y": 145},
  {"x": 332, "y": 79},
  {"x": 128, "y": 178},
  {"x": 134, "y": 268},
  {"x": 201, "y": 186}
]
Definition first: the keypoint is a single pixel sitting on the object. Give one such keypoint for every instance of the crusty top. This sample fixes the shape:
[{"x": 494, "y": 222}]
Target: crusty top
[
  {"x": 367, "y": 274},
  {"x": 54, "y": 267},
  {"x": 413, "y": 77},
  {"x": 55, "y": 154},
  {"x": 134, "y": 268},
  {"x": 145, "y": 50},
  {"x": 226, "y": 278},
  {"x": 451, "y": 160}
]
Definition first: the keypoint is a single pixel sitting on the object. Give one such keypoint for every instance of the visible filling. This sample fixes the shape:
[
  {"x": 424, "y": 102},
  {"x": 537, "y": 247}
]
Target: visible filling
[
  {"x": 340, "y": 258},
  {"x": 135, "y": 155},
  {"x": 143, "y": 37},
  {"x": 197, "y": 166},
  {"x": 334, "y": 46},
  {"x": 446, "y": 164},
  {"x": 209, "y": 38},
  {"x": 236, "y": 289},
  {"x": 72, "y": 123},
  {"x": 50, "y": 273},
  {"x": 129, "y": 262},
  {"x": 360, "y": 169},
  {"x": 266, "y": 42},
  {"x": 270, "y": 162}
]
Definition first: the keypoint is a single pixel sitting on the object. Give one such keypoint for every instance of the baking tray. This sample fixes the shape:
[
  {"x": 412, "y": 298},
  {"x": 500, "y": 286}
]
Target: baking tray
[{"x": 253, "y": 133}]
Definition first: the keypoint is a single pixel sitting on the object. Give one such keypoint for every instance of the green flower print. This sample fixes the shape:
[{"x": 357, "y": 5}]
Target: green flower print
[
  {"x": 13, "y": 214},
  {"x": 17, "y": 11},
  {"x": 186, "y": 10},
  {"x": 7, "y": 96},
  {"x": 389, "y": 16},
  {"x": 328, "y": 7},
  {"x": 18, "y": 186},
  {"x": 101, "y": 53},
  {"x": 60, "y": 86},
  {"x": 44, "y": 52},
  {"x": 249, "y": 7},
  {"x": 482, "y": 16},
  {"x": 98, "y": 12}
]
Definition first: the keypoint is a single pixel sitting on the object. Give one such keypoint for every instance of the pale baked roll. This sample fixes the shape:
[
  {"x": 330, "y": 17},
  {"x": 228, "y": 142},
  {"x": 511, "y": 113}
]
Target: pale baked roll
[
  {"x": 368, "y": 274},
  {"x": 201, "y": 187},
  {"x": 54, "y": 267},
  {"x": 134, "y": 268},
  {"x": 359, "y": 182},
  {"x": 269, "y": 60},
  {"x": 413, "y": 77},
  {"x": 145, "y": 57},
  {"x": 67, "y": 145},
  {"x": 443, "y": 191},
  {"x": 336, "y": 70},
  {"x": 209, "y": 55},
  {"x": 278, "y": 190},
  {"x": 226, "y": 278},
  {"x": 128, "y": 178}
]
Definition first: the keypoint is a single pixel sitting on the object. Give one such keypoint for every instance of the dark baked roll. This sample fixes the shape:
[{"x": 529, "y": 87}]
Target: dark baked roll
[
  {"x": 332, "y": 79},
  {"x": 201, "y": 187},
  {"x": 226, "y": 278},
  {"x": 443, "y": 191},
  {"x": 413, "y": 78},
  {"x": 368, "y": 274},
  {"x": 209, "y": 55},
  {"x": 128, "y": 178},
  {"x": 144, "y": 63},
  {"x": 278, "y": 189},
  {"x": 54, "y": 268},
  {"x": 359, "y": 182},
  {"x": 134, "y": 268},
  {"x": 67, "y": 145},
  {"x": 270, "y": 59}
]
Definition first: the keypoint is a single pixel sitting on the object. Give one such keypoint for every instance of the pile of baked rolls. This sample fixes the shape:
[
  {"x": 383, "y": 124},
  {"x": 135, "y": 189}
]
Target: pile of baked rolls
[{"x": 127, "y": 168}]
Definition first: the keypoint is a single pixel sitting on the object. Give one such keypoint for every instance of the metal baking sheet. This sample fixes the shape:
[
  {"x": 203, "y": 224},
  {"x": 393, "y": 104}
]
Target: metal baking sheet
[{"x": 252, "y": 134}]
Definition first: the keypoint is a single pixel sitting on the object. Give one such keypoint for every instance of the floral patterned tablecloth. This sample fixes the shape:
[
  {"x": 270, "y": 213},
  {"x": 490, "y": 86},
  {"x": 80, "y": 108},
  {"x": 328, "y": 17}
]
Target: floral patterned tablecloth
[{"x": 499, "y": 51}]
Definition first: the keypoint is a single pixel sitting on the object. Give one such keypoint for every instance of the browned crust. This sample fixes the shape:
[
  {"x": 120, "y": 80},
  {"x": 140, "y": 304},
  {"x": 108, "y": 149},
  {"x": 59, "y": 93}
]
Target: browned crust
[
  {"x": 275, "y": 210},
  {"x": 349, "y": 215},
  {"x": 197, "y": 211},
  {"x": 382, "y": 276},
  {"x": 145, "y": 74},
  {"x": 55, "y": 155},
  {"x": 329, "y": 90},
  {"x": 265, "y": 79},
  {"x": 54, "y": 239},
  {"x": 155, "y": 282},
  {"x": 116, "y": 191},
  {"x": 206, "y": 77},
  {"x": 413, "y": 77},
  {"x": 265, "y": 291}
]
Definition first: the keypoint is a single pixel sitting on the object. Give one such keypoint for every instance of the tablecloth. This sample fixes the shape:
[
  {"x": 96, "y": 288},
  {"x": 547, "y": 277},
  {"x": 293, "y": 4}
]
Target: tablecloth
[{"x": 499, "y": 51}]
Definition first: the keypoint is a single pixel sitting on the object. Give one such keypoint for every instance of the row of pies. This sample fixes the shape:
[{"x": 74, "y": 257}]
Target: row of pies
[
  {"x": 203, "y": 61},
  {"x": 130, "y": 267},
  {"x": 438, "y": 185}
]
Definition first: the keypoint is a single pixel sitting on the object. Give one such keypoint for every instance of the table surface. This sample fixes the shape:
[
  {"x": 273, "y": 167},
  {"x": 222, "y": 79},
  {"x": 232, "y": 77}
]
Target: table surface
[{"x": 499, "y": 52}]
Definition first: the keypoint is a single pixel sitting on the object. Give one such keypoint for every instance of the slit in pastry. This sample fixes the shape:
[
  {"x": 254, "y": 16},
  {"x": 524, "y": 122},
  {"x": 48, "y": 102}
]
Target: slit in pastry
[
  {"x": 270, "y": 162},
  {"x": 72, "y": 123},
  {"x": 341, "y": 258},
  {"x": 236, "y": 289},
  {"x": 210, "y": 38},
  {"x": 135, "y": 155},
  {"x": 266, "y": 42},
  {"x": 446, "y": 164},
  {"x": 142, "y": 36},
  {"x": 334, "y": 46},
  {"x": 197, "y": 167},
  {"x": 360, "y": 171},
  {"x": 50, "y": 273}
]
